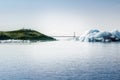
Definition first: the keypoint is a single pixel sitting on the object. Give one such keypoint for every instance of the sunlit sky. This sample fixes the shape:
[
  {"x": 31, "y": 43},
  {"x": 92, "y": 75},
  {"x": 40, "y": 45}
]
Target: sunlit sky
[{"x": 60, "y": 17}]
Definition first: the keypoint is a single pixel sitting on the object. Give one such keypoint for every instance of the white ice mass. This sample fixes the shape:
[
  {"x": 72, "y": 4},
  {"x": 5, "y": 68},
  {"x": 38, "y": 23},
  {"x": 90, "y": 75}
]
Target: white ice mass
[{"x": 95, "y": 35}]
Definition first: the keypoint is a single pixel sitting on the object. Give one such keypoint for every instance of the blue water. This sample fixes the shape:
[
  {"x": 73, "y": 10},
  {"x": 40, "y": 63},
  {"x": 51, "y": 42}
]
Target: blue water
[{"x": 60, "y": 60}]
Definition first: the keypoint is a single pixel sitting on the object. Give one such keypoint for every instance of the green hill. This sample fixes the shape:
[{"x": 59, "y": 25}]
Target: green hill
[{"x": 24, "y": 34}]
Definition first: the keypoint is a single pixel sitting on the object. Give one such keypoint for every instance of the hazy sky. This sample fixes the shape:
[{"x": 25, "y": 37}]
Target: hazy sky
[{"x": 58, "y": 17}]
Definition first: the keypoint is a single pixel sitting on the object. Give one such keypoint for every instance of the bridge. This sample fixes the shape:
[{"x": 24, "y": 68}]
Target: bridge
[
  {"x": 63, "y": 36},
  {"x": 74, "y": 35}
]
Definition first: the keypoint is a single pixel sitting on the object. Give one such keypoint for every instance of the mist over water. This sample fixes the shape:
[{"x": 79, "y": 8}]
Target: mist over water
[{"x": 60, "y": 60}]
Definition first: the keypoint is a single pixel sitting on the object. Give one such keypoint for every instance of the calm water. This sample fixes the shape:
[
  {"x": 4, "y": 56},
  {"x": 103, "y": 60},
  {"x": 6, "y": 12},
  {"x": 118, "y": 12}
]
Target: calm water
[{"x": 60, "y": 60}]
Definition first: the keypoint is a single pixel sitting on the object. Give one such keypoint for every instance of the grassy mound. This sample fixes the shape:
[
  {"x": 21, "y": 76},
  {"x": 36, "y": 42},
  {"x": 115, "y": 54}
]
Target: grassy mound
[{"x": 24, "y": 34}]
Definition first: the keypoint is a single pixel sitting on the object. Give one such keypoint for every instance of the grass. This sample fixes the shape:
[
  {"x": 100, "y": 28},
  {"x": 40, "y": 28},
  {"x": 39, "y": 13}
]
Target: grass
[{"x": 24, "y": 34}]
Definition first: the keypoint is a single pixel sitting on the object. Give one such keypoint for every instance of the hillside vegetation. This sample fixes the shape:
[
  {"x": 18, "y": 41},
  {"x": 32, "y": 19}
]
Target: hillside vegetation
[{"x": 24, "y": 34}]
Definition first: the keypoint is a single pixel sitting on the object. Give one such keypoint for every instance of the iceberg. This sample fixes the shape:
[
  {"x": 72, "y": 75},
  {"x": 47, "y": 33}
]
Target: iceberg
[
  {"x": 88, "y": 36},
  {"x": 115, "y": 35},
  {"x": 103, "y": 37},
  {"x": 95, "y": 35}
]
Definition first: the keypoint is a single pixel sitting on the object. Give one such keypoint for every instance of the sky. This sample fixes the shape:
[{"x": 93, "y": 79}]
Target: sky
[{"x": 60, "y": 17}]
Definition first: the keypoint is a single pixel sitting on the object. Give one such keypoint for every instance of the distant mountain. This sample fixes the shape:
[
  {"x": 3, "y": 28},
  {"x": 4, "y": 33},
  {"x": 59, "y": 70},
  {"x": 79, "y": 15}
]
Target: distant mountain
[{"x": 24, "y": 34}]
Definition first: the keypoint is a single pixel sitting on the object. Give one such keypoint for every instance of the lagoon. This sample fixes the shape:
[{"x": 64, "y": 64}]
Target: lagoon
[{"x": 60, "y": 60}]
